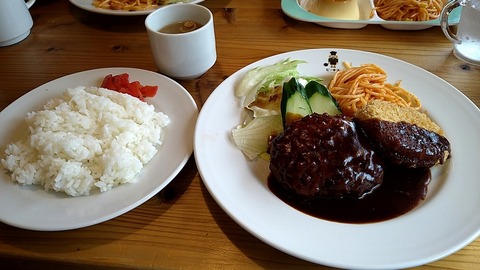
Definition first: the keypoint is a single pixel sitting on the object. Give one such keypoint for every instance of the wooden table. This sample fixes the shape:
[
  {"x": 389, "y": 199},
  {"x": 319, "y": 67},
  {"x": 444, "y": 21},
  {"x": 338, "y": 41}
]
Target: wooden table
[{"x": 182, "y": 227}]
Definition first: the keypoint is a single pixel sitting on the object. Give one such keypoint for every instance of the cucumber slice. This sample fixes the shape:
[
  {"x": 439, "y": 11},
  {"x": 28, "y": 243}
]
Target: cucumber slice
[
  {"x": 320, "y": 99},
  {"x": 294, "y": 104}
]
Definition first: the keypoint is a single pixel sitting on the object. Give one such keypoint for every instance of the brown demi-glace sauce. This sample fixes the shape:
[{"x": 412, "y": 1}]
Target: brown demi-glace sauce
[{"x": 401, "y": 191}]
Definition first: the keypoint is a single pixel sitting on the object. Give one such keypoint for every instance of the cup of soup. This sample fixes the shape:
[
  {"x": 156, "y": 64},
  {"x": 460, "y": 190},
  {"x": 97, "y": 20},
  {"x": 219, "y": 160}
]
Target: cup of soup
[{"x": 182, "y": 40}]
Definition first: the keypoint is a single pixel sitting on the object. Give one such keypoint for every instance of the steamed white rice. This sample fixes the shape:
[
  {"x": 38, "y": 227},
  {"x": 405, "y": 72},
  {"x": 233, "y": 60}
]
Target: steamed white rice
[{"x": 87, "y": 139}]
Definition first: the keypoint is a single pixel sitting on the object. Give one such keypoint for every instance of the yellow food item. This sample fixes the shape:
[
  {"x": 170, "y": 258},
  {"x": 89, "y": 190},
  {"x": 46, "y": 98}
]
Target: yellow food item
[
  {"x": 336, "y": 9},
  {"x": 388, "y": 111}
]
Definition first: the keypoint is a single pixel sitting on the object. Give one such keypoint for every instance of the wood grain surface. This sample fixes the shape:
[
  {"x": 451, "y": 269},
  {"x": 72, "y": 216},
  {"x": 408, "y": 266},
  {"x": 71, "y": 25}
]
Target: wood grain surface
[{"x": 182, "y": 227}]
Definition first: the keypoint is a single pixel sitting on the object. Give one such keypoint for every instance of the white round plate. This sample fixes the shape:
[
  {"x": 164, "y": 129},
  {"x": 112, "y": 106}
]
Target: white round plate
[
  {"x": 445, "y": 222},
  {"x": 87, "y": 5},
  {"x": 30, "y": 207}
]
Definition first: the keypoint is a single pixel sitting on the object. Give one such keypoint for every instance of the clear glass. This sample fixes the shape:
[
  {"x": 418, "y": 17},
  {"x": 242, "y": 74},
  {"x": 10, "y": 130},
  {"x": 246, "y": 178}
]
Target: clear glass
[{"x": 467, "y": 37}]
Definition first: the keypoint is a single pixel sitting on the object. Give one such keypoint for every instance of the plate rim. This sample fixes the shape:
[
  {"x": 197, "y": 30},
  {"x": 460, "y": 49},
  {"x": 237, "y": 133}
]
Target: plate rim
[
  {"x": 191, "y": 113},
  {"x": 87, "y": 6},
  {"x": 200, "y": 159}
]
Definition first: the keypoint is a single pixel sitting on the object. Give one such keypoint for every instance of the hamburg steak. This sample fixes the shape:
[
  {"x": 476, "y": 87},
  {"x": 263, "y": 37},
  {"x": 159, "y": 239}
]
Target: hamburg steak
[
  {"x": 403, "y": 136},
  {"x": 323, "y": 156},
  {"x": 405, "y": 144}
]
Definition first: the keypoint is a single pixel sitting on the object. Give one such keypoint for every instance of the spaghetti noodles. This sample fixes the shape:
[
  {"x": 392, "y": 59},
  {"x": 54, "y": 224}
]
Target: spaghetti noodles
[
  {"x": 127, "y": 5},
  {"x": 409, "y": 10},
  {"x": 354, "y": 87}
]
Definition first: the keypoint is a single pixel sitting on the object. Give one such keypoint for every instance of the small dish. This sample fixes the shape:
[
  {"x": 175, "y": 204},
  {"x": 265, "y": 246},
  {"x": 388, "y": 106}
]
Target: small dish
[
  {"x": 87, "y": 5},
  {"x": 301, "y": 10}
]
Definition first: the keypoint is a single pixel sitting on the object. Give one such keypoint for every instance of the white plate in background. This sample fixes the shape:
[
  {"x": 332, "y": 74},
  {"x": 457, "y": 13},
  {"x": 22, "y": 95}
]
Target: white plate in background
[
  {"x": 87, "y": 5},
  {"x": 298, "y": 9}
]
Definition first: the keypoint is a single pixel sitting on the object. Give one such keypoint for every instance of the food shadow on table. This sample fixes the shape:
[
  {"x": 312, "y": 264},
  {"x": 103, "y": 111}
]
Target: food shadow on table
[{"x": 109, "y": 23}]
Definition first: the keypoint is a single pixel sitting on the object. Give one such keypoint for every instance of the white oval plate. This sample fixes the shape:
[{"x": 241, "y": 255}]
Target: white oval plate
[
  {"x": 30, "y": 207},
  {"x": 445, "y": 222},
  {"x": 87, "y": 5}
]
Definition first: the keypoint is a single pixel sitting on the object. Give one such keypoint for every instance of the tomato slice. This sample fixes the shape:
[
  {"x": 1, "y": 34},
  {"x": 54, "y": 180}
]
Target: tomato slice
[
  {"x": 120, "y": 80},
  {"x": 134, "y": 90},
  {"x": 121, "y": 83},
  {"x": 108, "y": 82},
  {"x": 149, "y": 91}
]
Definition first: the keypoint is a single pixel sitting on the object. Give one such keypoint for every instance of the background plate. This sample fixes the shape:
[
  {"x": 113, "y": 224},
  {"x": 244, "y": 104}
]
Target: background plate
[
  {"x": 293, "y": 9},
  {"x": 445, "y": 222},
  {"x": 87, "y": 5},
  {"x": 30, "y": 207}
]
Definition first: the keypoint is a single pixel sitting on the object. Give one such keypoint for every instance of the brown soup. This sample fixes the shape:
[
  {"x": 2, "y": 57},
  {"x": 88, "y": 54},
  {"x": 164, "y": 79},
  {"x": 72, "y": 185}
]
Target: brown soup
[{"x": 180, "y": 27}]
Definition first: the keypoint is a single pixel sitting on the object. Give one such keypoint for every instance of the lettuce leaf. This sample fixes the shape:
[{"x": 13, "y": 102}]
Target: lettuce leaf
[
  {"x": 252, "y": 138},
  {"x": 264, "y": 78}
]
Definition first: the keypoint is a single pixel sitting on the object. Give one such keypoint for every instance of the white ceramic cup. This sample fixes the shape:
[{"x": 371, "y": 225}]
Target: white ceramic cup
[
  {"x": 467, "y": 37},
  {"x": 15, "y": 21},
  {"x": 185, "y": 55}
]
